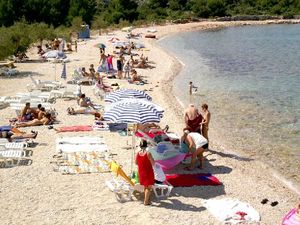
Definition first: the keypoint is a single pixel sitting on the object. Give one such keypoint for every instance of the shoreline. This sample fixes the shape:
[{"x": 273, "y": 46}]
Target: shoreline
[
  {"x": 177, "y": 66},
  {"x": 36, "y": 194}
]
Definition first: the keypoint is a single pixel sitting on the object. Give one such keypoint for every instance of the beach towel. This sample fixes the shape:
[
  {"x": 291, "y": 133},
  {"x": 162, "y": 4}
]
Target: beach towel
[
  {"x": 232, "y": 211},
  {"x": 291, "y": 218},
  {"x": 189, "y": 180},
  {"x": 82, "y": 162},
  {"x": 75, "y": 128},
  {"x": 169, "y": 163}
]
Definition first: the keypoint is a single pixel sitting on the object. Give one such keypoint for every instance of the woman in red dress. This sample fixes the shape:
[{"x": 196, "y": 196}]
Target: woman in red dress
[{"x": 144, "y": 161}]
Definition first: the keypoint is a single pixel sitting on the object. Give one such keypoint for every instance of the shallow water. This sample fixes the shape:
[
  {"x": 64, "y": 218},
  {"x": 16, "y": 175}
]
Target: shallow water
[{"x": 250, "y": 78}]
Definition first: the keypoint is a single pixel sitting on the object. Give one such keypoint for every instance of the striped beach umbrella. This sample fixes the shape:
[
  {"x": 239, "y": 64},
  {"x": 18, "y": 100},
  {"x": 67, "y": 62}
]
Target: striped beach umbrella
[
  {"x": 133, "y": 113},
  {"x": 64, "y": 72},
  {"x": 134, "y": 101},
  {"x": 126, "y": 93}
]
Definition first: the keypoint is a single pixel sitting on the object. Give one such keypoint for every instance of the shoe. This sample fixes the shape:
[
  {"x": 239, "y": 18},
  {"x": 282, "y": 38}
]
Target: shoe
[
  {"x": 264, "y": 201},
  {"x": 274, "y": 203}
]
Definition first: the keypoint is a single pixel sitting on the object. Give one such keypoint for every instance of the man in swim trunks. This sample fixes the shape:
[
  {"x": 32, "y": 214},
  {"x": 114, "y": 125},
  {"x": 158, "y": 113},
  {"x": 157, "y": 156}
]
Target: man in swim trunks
[
  {"x": 197, "y": 141},
  {"x": 193, "y": 119},
  {"x": 205, "y": 121}
]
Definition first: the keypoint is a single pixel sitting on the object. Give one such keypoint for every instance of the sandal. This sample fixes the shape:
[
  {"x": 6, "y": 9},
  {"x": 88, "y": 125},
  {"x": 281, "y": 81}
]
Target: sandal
[
  {"x": 264, "y": 201},
  {"x": 274, "y": 203}
]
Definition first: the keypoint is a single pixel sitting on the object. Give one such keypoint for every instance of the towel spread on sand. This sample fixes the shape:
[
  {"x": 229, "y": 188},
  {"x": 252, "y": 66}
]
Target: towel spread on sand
[
  {"x": 291, "y": 218},
  {"x": 75, "y": 128},
  {"x": 189, "y": 180},
  {"x": 231, "y": 211}
]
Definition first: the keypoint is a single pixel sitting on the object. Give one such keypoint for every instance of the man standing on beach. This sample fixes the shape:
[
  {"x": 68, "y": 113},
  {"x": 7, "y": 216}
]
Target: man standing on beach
[
  {"x": 192, "y": 119},
  {"x": 205, "y": 121}
]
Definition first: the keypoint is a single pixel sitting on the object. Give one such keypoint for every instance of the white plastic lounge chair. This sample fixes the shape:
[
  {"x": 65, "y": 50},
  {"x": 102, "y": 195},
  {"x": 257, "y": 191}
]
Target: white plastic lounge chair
[
  {"x": 43, "y": 85},
  {"x": 4, "y": 141},
  {"x": 63, "y": 93},
  {"x": 14, "y": 145},
  {"x": 69, "y": 148},
  {"x": 3, "y": 103},
  {"x": 80, "y": 140},
  {"x": 124, "y": 189},
  {"x": 38, "y": 95},
  {"x": 19, "y": 106},
  {"x": 78, "y": 78},
  {"x": 12, "y": 154}
]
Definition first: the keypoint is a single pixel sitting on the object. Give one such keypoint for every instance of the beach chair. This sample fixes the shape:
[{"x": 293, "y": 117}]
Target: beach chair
[
  {"x": 43, "y": 85},
  {"x": 33, "y": 104},
  {"x": 123, "y": 189},
  {"x": 78, "y": 78},
  {"x": 13, "y": 145},
  {"x": 80, "y": 144}
]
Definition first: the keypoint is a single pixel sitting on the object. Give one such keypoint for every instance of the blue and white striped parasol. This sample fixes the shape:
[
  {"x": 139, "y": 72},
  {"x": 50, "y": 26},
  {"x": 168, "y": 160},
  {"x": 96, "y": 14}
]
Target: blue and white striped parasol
[
  {"x": 64, "y": 72},
  {"x": 126, "y": 93},
  {"x": 133, "y": 112},
  {"x": 135, "y": 101}
]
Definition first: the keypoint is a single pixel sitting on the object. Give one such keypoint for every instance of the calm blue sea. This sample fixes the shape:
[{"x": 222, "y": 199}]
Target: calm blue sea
[{"x": 250, "y": 78}]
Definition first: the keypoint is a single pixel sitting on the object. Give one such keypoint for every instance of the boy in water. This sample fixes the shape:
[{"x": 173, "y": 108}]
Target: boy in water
[{"x": 192, "y": 88}]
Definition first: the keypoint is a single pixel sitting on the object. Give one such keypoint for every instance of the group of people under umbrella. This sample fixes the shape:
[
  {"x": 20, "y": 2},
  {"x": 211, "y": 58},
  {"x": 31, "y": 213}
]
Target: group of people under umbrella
[{"x": 134, "y": 106}]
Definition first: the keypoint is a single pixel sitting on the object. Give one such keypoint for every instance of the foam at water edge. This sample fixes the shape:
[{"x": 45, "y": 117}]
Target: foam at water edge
[{"x": 286, "y": 182}]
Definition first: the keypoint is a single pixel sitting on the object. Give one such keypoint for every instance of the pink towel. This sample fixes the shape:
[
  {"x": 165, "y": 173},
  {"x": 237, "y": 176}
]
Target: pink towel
[
  {"x": 75, "y": 128},
  {"x": 291, "y": 218}
]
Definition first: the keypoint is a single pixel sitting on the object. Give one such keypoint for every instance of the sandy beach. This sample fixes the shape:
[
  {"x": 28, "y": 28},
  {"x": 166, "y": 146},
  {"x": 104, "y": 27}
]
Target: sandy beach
[{"x": 35, "y": 194}]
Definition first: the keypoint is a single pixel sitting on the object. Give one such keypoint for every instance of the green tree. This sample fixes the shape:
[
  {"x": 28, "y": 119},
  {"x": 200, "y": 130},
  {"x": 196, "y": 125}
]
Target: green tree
[
  {"x": 199, "y": 7},
  {"x": 82, "y": 8},
  {"x": 216, "y": 7}
]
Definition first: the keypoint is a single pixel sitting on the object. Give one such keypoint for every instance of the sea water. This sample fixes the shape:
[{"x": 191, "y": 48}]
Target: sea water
[{"x": 250, "y": 78}]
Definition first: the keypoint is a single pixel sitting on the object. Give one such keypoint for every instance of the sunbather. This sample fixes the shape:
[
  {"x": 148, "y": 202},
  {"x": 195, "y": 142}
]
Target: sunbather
[
  {"x": 46, "y": 119},
  {"x": 10, "y": 135},
  {"x": 27, "y": 113},
  {"x": 72, "y": 111},
  {"x": 151, "y": 127},
  {"x": 85, "y": 102}
]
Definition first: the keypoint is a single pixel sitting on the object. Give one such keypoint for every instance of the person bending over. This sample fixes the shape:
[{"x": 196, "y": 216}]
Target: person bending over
[{"x": 197, "y": 141}]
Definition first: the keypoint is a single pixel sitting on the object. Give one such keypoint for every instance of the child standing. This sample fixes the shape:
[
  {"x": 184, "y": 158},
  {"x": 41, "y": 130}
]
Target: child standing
[
  {"x": 145, "y": 162},
  {"x": 127, "y": 69}
]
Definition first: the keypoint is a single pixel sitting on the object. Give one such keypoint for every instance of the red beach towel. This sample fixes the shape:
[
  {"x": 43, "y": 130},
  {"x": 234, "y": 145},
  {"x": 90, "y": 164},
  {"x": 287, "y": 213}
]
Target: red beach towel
[
  {"x": 189, "y": 180},
  {"x": 74, "y": 128}
]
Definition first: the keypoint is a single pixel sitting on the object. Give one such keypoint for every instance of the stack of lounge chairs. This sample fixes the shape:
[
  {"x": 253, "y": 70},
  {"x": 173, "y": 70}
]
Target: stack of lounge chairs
[{"x": 14, "y": 153}]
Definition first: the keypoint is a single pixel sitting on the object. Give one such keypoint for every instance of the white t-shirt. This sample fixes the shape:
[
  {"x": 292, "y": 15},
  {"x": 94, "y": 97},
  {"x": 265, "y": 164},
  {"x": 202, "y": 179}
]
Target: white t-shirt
[{"x": 198, "y": 139}]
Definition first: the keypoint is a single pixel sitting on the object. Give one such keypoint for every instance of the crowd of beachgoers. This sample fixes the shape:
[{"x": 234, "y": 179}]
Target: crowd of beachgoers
[{"x": 208, "y": 185}]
